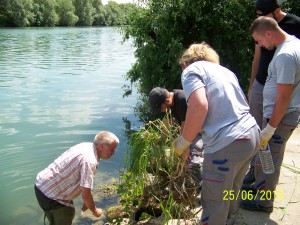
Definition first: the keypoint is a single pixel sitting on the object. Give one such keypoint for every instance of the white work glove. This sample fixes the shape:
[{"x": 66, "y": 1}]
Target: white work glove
[
  {"x": 266, "y": 135},
  {"x": 180, "y": 145}
]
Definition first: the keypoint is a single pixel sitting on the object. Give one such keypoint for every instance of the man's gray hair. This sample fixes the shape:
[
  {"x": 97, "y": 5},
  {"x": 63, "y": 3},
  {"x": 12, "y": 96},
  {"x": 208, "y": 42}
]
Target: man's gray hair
[{"x": 105, "y": 137}]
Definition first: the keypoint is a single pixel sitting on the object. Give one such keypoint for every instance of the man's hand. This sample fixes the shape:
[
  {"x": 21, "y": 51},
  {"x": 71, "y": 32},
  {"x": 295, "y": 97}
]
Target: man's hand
[
  {"x": 97, "y": 213},
  {"x": 266, "y": 135},
  {"x": 180, "y": 145}
]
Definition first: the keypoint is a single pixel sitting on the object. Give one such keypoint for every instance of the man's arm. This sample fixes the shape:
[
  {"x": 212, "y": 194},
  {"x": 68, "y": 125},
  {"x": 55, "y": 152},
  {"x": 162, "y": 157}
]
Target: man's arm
[
  {"x": 284, "y": 93},
  {"x": 88, "y": 202},
  {"x": 254, "y": 69}
]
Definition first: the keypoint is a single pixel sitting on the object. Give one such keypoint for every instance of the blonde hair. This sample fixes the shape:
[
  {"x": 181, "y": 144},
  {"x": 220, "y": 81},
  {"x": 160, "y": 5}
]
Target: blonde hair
[
  {"x": 105, "y": 137},
  {"x": 199, "y": 52}
]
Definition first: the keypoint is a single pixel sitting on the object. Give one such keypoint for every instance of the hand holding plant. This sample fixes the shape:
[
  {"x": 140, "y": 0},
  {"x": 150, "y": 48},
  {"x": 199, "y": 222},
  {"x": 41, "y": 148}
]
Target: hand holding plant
[{"x": 180, "y": 145}]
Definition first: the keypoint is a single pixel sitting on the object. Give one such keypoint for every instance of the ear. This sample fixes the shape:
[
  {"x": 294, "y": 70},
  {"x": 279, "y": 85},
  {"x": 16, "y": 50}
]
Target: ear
[
  {"x": 168, "y": 101},
  {"x": 100, "y": 148},
  {"x": 269, "y": 34},
  {"x": 277, "y": 11},
  {"x": 185, "y": 65}
]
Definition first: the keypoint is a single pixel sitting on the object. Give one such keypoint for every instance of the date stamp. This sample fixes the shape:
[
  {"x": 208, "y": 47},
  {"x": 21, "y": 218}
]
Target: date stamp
[{"x": 230, "y": 195}]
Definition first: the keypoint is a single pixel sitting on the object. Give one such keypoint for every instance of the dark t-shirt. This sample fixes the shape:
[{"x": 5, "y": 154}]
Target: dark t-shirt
[
  {"x": 179, "y": 108},
  {"x": 290, "y": 24}
]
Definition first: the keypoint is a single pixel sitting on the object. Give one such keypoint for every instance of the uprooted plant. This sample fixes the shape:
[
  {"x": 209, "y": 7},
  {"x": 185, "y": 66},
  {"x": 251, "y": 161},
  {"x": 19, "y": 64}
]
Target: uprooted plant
[{"x": 155, "y": 181}]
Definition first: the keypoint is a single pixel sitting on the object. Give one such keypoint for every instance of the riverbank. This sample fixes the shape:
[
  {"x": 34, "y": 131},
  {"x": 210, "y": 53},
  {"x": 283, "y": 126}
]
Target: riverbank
[{"x": 285, "y": 208}]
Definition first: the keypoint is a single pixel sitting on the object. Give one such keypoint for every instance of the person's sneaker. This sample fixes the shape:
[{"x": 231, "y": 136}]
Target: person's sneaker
[
  {"x": 249, "y": 178},
  {"x": 252, "y": 205}
]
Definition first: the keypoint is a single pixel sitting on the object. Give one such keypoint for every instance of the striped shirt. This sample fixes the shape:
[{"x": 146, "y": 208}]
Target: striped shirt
[{"x": 62, "y": 180}]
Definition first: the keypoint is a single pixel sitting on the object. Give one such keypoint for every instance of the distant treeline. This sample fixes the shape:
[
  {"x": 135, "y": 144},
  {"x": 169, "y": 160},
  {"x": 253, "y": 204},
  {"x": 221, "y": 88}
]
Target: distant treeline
[{"x": 24, "y": 13}]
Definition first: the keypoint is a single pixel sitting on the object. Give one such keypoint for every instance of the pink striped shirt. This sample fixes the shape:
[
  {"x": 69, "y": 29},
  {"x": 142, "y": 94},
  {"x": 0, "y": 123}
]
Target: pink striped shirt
[{"x": 62, "y": 180}]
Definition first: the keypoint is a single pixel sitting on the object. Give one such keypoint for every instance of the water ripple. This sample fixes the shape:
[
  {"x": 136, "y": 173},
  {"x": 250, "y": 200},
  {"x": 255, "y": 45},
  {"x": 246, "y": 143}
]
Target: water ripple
[{"x": 59, "y": 86}]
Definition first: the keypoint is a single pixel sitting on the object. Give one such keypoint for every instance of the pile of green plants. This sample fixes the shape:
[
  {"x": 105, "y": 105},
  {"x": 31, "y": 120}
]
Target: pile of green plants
[{"x": 155, "y": 181}]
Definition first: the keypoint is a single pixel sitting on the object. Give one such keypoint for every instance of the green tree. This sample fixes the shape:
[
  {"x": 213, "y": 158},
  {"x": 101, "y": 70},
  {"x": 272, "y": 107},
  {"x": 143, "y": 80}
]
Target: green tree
[
  {"x": 127, "y": 9},
  {"x": 292, "y": 6},
  {"x": 99, "y": 13},
  {"x": 113, "y": 14},
  {"x": 164, "y": 28},
  {"x": 84, "y": 10},
  {"x": 66, "y": 13},
  {"x": 45, "y": 14},
  {"x": 4, "y": 17},
  {"x": 18, "y": 12}
]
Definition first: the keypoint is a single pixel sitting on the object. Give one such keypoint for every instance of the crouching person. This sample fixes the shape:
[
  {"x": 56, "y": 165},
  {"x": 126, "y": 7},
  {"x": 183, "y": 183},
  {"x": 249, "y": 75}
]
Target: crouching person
[{"x": 70, "y": 175}]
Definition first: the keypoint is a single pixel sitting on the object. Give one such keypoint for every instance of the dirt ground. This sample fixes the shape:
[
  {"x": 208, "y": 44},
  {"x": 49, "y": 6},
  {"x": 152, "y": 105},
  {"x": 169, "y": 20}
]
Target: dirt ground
[{"x": 286, "y": 210}]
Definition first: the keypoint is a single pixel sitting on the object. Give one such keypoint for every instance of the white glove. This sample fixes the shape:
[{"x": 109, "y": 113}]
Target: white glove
[
  {"x": 266, "y": 135},
  {"x": 180, "y": 145}
]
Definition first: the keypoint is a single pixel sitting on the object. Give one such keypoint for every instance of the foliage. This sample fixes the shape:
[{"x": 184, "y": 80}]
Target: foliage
[
  {"x": 85, "y": 11},
  {"x": 292, "y": 6},
  {"x": 22, "y": 13},
  {"x": 45, "y": 14},
  {"x": 66, "y": 13},
  {"x": 164, "y": 28},
  {"x": 99, "y": 13},
  {"x": 16, "y": 12},
  {"x": 155, "y": 181}
]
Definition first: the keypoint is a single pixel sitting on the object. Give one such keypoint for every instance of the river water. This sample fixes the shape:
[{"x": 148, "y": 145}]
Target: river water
[{"x": 58, "y": 87}]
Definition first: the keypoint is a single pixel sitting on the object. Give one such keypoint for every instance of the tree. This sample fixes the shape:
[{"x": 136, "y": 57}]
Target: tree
[
  {"x": 113, "y": 13},
  {"x": 84, "y": 11},
  {"x": 3, "y": 13},
  {"x": 18, "y": 12},
  {"x": 127, "y": 9},
  {"x": 99, "y": 13},
  {"x": 45, "y": 14},
  {"x": 66, "y": 13},
  {"x": 164, "y": 28}
]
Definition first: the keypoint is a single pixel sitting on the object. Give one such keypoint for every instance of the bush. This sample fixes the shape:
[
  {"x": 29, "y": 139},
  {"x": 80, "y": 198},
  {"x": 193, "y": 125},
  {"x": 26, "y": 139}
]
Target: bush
[{"x": 164, "y": 28}]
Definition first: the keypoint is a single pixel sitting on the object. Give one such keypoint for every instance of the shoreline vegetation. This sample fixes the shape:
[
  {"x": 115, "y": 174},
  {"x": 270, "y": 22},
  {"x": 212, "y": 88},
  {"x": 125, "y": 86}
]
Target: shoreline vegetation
[{"x": 51, "y": 13}]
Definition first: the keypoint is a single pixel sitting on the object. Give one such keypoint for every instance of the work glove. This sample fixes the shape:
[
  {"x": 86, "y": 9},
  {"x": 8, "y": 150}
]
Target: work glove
[
  {"x": 180, "y": 145},
  {"x": 266, "y": 135}
]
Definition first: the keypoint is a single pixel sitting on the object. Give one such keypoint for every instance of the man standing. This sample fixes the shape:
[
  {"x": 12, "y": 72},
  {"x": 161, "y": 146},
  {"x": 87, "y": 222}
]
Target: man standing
[
  {"x": 262, "y": 57},
  {"x": 281, "y": 105},
  {"x": 69, "y": 175}
]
